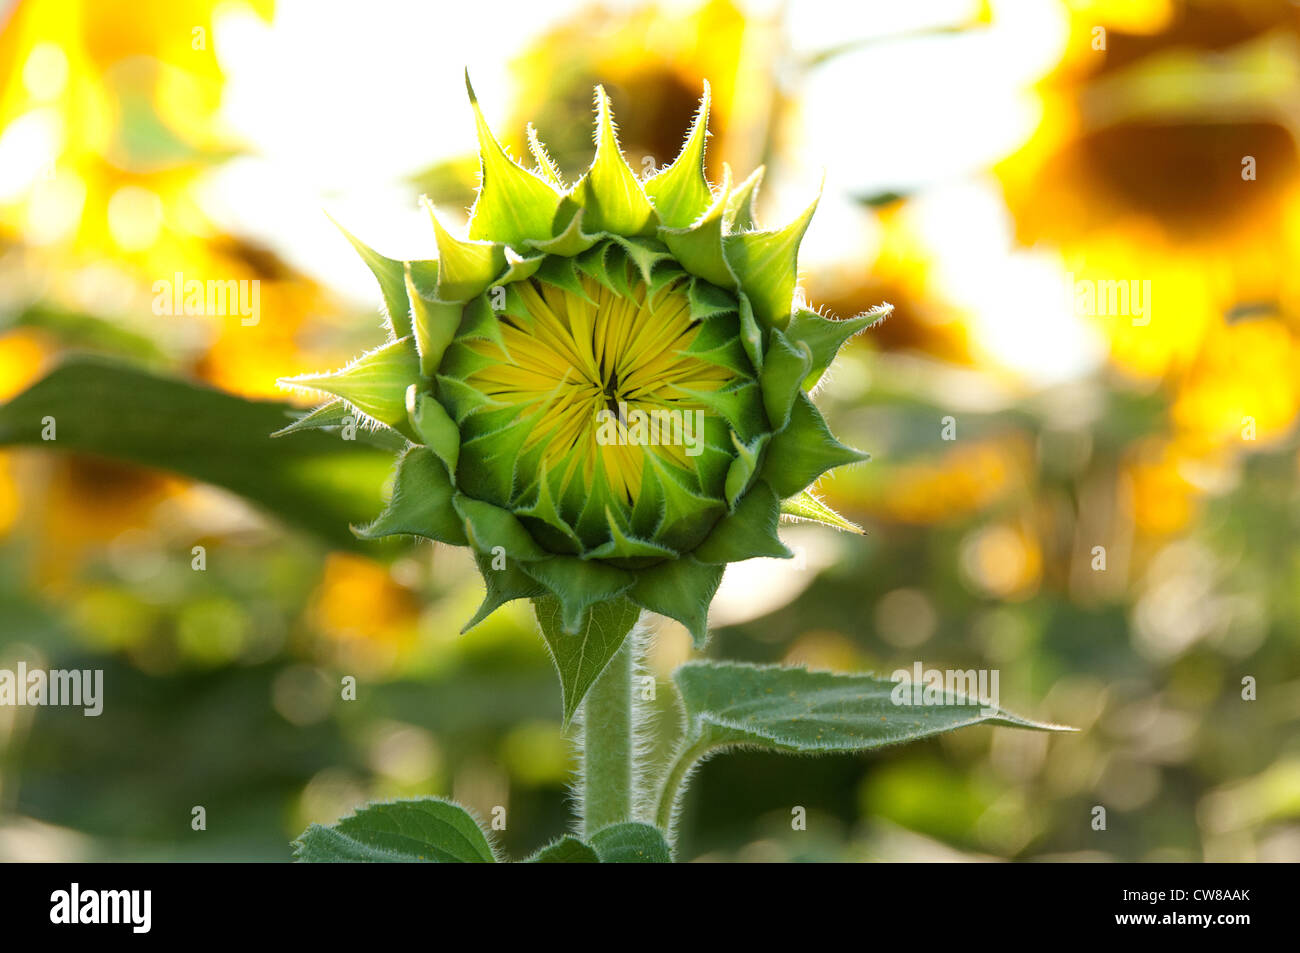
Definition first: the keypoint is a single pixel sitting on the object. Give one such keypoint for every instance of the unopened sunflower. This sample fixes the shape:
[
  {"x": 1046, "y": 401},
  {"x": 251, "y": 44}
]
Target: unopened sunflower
[{"x": 604, "y": 387}]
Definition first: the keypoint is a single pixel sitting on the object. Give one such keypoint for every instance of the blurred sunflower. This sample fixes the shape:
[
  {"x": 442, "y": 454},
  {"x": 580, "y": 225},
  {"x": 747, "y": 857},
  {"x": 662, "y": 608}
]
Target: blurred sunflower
[
  {"x": 76, "y": 505},
  {"x": 654, "y": 60},
  {"x": 901, "y": 273},
  {"x": 947, "y": 487},
  {"x": 114, "y": 113},
  {"x": 367, "y": 619},
  {"x": 1161, "y": 498},
  {"x": 1167, "y": 153},
  {"x": 1244, "y": 386},
  {"x": 109, "y": 121}
]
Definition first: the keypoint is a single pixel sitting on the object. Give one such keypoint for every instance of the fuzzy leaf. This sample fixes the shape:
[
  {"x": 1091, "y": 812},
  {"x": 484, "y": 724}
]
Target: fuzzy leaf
[
  {"x": 718, "y": 342},
  {"x": 579, "y": 585},
  {"x": 374, "y": 383},
  {"x": 333, "y": 414},
  {"x": 739, "y": 216},
  {"x": 489, "y": 527},
  {"x": 592, "y": 263},
  {"x": 751, "y": 335},
  {"x": 421, "y": 502},
  {"x": 427, "y": 830},
  {"x": 392, "y": 283},
  {"x": 631, "y": 843},
  {"x": 805, "y": 506},
  {"x": 741, "y": 472},
  {"x": 481, "y": 322},
  {"x": 766, "y": 263},
  {"x": 580, "y": 654},
  {"x": 488, "y": 458},
  {"x": 435, "y": 324},
  {"x": 571, "y": 240},
  {"x": 680, "y": 589},
  {"x": 698, "y": 245},
  {"x": 622, "y": 545},
  {"x": 784, "y": 369},
  {"x": 545, "y": 165},
  {"x": 795, "y": 710},
  {"x": 804, "y": 450},
  {"x": 513, "y": 205},
  {"x": 611, "y": 196},
  {"x": 465, "y": 268},
  {"x": 644, "y": 253},
  {"x": 707, "y": 300},
  {"x": 566, "y": 850},
  {"x": 825, "y": 337},
  {"x": 561, "y": 272},
  {"x": 337, "y": 415},
  {"x": 740, "y": 404},
  {"x": 504, "y": 582},
  {"x": 748, "y": 532},
  {"x": 680, "y": 193},
  {"x": 685, "y": 516},
  {"x": 434, "y": 426},
  {"x": 518, "y": 268},
  {"x": 542, "y": 508}
]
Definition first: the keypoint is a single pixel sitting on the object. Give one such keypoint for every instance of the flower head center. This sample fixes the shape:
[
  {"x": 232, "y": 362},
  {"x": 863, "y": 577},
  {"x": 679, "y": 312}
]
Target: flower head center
[{"x": 585, "y": 363}]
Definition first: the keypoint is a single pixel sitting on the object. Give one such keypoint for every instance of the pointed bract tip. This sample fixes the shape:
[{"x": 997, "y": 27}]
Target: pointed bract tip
[
  {"x": 442, "y": 235},
  {"x": 702, "y": 111},
  {"x": 339, "y": 225},
  {"x": 878, "y": 314},
  {"x": 812, "y": 206},
  {"x": 302, "y": 381},
  {"x": 545, "y": 164},
  {"x": 427, "y": 204},
  {"x": 603, "y": 116},
  {"x": 469, "y": 88}
]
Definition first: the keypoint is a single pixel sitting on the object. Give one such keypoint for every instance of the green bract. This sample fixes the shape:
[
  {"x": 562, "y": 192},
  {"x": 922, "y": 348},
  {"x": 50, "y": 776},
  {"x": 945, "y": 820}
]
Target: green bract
[{"x": 604, "y": 387}]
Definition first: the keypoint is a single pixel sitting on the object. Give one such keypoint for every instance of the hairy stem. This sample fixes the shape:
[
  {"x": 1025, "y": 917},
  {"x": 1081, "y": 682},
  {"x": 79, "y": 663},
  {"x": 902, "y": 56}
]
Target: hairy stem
[
  {"x": 670, "y": 794},
  {"x": 608, "y": 748}
]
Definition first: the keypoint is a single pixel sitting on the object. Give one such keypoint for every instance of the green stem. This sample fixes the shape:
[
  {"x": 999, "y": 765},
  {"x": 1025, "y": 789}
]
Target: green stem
[
  {"x": 683, "y": 761},
  {"x": 608, "y": 755}
]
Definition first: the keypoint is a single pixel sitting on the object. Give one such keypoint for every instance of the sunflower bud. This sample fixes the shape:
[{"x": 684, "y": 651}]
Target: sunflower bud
[{"x": 604, "y": 385}]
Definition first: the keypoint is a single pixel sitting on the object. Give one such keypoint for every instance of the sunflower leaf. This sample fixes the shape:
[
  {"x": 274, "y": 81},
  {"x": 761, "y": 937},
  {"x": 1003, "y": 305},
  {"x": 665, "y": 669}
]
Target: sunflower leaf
[
  {"x": 428, "y": 830},
  {"x": 312, "y": 480},
  {"x": 581, "y": 653},
  {"x": 798, "y": 711}
]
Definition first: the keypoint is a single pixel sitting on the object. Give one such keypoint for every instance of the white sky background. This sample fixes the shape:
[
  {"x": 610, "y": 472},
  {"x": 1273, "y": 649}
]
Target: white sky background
[{"x": 340, "y": 103}]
